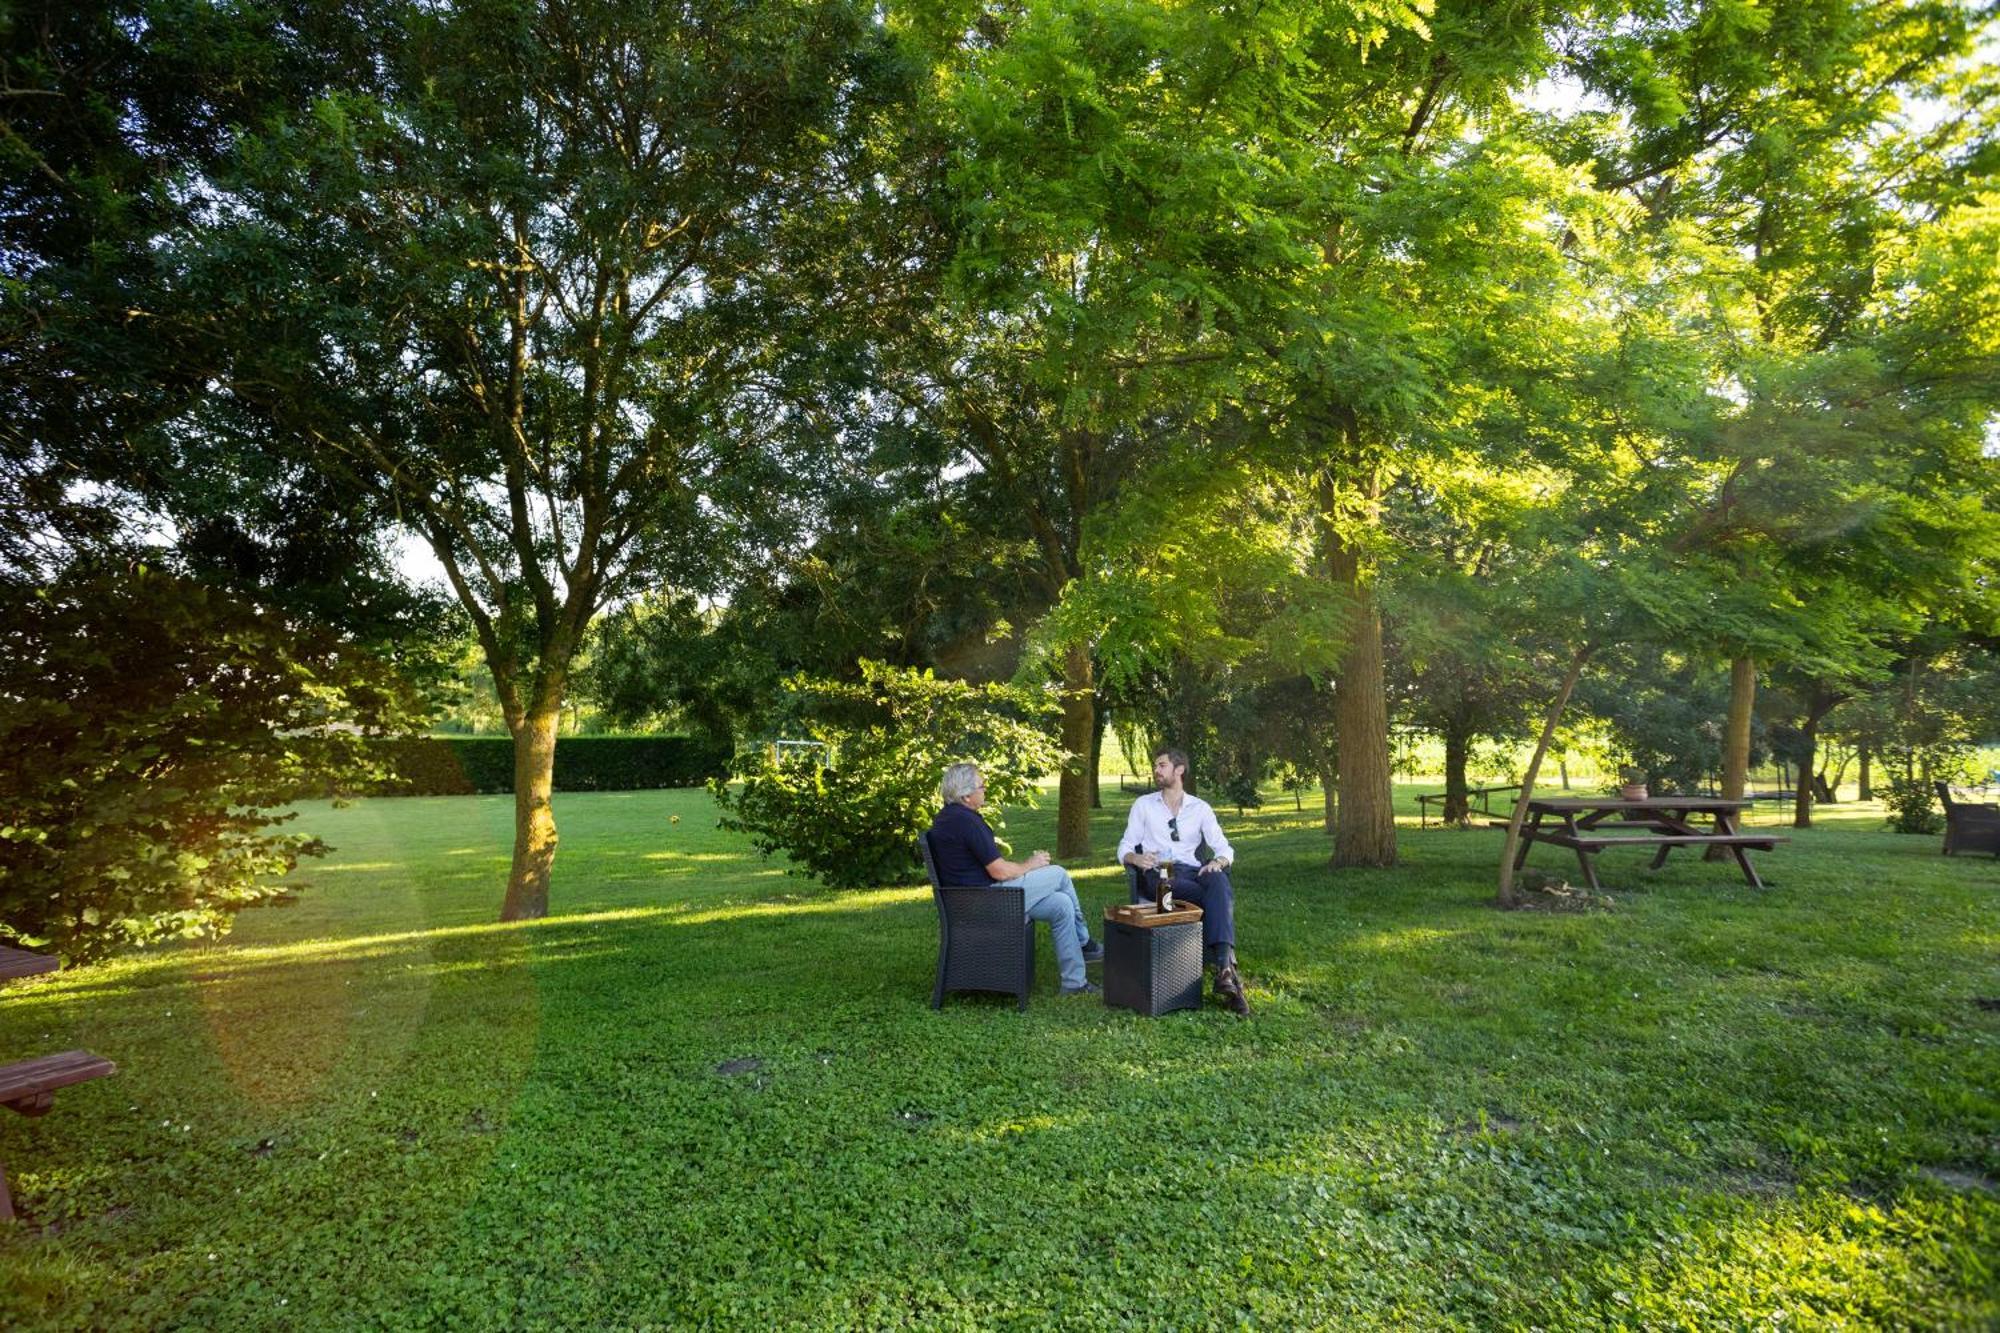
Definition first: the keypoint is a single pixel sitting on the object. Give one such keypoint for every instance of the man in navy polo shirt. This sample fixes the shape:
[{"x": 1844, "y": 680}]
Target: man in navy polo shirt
[{"x": 967, "y": 855}]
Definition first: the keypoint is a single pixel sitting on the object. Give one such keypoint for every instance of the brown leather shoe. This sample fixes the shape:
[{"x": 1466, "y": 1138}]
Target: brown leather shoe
[{"x": 1229, "y": 989}]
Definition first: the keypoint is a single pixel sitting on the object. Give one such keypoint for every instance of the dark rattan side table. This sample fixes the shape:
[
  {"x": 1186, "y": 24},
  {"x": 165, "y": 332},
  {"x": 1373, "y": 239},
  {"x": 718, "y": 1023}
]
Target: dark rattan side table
[{"x": 1152, "y": 968}]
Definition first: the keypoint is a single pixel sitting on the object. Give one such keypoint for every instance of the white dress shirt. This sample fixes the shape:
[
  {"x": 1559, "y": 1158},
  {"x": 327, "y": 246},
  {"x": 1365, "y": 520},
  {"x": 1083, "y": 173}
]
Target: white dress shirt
[{"x": 1148, "y": 826}]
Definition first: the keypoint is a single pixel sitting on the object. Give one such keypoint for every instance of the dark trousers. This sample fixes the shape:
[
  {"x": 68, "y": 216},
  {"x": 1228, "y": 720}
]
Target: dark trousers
[{"x": 1209, "y": 890}]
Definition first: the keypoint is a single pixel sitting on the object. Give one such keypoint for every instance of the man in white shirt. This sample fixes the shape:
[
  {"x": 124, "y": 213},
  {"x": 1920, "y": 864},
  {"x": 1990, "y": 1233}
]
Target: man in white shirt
[{"x": 1166, "y": 827}]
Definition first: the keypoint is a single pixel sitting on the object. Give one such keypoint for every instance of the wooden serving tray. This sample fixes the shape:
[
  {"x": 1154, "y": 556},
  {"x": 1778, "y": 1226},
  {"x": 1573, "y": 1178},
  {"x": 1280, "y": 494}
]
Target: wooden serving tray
[{"x": 1146, "y": 916}]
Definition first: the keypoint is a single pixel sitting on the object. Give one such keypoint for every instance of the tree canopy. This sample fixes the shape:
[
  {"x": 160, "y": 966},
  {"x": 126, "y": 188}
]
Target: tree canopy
[{"x": 1352, "y": 365}]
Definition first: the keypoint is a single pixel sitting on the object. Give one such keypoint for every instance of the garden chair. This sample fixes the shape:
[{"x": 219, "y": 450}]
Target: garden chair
[
  {"x": 985, "y": 940},
  {"x": 1968, "y": 827}
]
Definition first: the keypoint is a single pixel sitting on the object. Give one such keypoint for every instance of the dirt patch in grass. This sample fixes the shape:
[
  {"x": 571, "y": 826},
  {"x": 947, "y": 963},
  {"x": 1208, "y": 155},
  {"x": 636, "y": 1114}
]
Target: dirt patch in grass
[
  {"x": 1758, "y": 1184},
  {"x": 1958, "y": 1178},
  {"x": 1345, "y": 1020},
  {"x": 1547, "y": 893}
]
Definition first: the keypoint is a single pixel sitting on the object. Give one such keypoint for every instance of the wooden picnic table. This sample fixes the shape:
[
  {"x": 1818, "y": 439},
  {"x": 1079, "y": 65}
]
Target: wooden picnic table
[
  {"x": 29, "y": 1087},
  {"x": 1588, "y": 825},
  {"x": 1482, "y": 795},
  {"x": 18, "y": 963}
]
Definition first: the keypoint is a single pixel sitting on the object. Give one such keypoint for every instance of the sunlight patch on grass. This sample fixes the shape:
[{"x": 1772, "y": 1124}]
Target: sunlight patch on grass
[
  {"x": 1828, "y": 1255},
  {"x": 1409, "y": 939},
  {"x": 341, "y": 945},
  {"x": 1020, "y": 1127},
  {"x": 845, "y": 903}
]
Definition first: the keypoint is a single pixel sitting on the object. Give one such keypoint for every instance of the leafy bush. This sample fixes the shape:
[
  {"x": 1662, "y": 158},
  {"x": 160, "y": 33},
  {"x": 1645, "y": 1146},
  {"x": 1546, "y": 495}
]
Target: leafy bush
[
  {"x": 1664, "y": 715},
  {"x": 852, "y": 820},
  {"x": 1910, "y": 795},
  {"x": 149, "y": 725},
  {"x": 1240, "y": 790},
  {"x": 465, "y": 765},
  {"x": 1913, "y": 806}
]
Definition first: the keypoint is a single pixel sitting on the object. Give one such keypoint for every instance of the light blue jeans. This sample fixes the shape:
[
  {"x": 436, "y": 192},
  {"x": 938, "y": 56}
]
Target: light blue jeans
[{"x": 1051, "y": 897}]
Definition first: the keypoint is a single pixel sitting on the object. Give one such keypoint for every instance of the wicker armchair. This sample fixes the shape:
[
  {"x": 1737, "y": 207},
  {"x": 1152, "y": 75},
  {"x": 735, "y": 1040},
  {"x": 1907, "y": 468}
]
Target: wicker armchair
[
  {"x": 1967, "y": 827},
  {"x": 985, "y": 940}
]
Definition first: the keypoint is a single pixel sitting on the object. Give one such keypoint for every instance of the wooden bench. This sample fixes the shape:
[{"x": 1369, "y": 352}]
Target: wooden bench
[
  {"x": 1762, "y": 842},
  {"x": 16, "y": 963},
  {"x": 1588, "y": 845},
  {"x": 1481, "y": 797},
  {"x": 30, "y": 1087}
]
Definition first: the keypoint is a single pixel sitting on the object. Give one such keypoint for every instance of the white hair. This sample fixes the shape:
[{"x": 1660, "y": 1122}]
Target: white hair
[{"x": 960, "y": 781}]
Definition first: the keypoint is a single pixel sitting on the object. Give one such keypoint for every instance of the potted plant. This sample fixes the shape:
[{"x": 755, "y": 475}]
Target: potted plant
[{"x": 1632, "y": 783}]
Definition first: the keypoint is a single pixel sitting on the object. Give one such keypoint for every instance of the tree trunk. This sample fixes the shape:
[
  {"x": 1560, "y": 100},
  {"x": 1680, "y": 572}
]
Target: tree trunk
[
  {"x": 1457, "y": 805},
  {"x": 1366, "y": 830},
  {"x": 534, "y": 817},
  {"x": 1329, "y": 792},
  {"x": 1736, "y": 733},
  {"x": 1562, "y": 768},
  {"x": 1867, "y": 779},
  {"x": 1802, "y": 793},
  {"x": 1098, "y": 720},
  {"x": 1079, "y": 705},
  {"x": 1909, "y": 718},
  {"x": 1549, "y": 724},
  {"x": 1736, "y": 738}
]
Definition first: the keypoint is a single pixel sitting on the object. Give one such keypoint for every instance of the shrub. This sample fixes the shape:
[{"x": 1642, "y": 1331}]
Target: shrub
[
  {"x": 1911, "y": 797},
  {"x": 853, "y": 820},
  {"x": 466, "y": 765},
  {"x": 149, "y": 725},
  {"x": 1240, "y": 790},
  {"x": 1913, "y": 806}
]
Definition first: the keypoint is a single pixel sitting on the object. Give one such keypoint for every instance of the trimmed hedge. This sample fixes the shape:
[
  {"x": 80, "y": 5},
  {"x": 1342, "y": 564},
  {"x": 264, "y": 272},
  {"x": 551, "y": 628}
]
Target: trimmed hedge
[{"x": 478, "y": 765}]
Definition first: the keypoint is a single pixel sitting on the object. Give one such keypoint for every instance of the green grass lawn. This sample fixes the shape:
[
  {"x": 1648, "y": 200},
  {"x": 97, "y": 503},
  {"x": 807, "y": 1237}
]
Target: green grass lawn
[{"x": 707, "y": 1093}]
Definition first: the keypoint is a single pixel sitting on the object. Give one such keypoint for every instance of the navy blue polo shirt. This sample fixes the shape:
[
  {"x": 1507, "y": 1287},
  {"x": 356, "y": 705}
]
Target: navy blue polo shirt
[{"x": 962, "y": 845}]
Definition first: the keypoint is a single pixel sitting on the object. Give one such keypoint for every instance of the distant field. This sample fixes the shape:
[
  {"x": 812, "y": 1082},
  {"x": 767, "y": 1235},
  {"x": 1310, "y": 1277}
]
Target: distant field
[{"x": 705, "y": 1093}]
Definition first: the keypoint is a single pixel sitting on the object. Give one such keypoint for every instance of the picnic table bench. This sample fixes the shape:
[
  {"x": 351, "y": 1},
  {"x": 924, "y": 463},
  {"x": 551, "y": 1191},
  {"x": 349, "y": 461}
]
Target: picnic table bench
[
  {"x": 29, "y": 1087},
  {"x": 1483, "y": 795},
  {"x": 1587, "y": 826},
  {"x": 17, "y": 963}
]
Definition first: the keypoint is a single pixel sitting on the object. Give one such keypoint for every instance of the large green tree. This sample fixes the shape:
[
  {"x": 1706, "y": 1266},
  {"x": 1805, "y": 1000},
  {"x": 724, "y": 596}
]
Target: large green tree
[
  {"x": 542, "y": 285},
  {"x": 1056, "y": 364},
  {"x": 1787, "y": 155},
  {"x": 154, "y": 730},
  {"x": 1322, "y": 219},
  {"x": 107, "y": 109}
]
